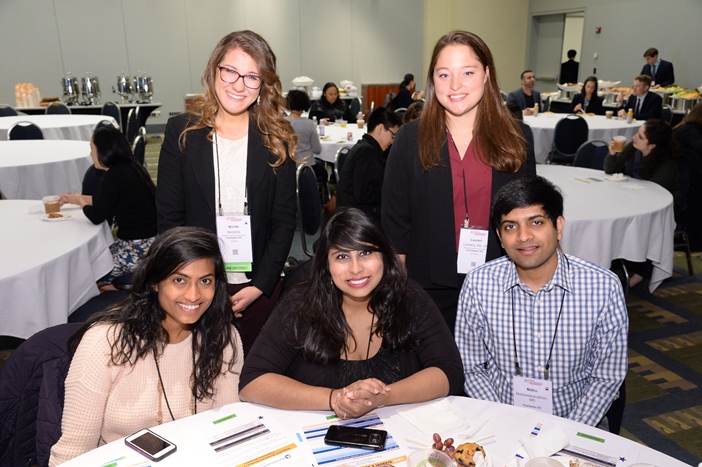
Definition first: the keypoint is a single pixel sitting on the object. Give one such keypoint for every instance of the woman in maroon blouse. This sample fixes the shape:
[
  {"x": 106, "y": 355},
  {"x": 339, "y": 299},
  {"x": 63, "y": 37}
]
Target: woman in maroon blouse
[{"x": 443, "y": 170}]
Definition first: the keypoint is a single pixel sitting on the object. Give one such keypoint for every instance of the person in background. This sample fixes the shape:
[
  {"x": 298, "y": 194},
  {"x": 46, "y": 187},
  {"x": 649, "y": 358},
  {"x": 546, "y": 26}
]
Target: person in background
[
  {"x": 466, "y": 146},
  {"x": 588, "y": 101},
  {"x": 660, "y": 71},
  {"x": 540, "y": 315},
  {"x": 644, "y": 103},
  {"x": 525, "y": 97},
  {"x": 651, "y": 155},
  {"x": 688, "y": 136},
  {"x": 414, "y": 112},
  {"x": 407, "y": 94},
  {"x": 329, "y": 108},
  {"x": 569, "y": 69},
  {"x": 360, "y": 182},
  {"x": 126, "y": 194},
  {"x": 168, "y": 351},
  {"x": 308, "y": 144},
  {"x": 356, "y": 335},
  {"x": 230, "y": 157}
]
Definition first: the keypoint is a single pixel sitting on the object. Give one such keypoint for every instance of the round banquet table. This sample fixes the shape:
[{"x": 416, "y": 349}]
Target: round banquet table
[
  {"x": 261, "y": 436},
  {"x": 337, "y": 139},
  {"x": 78, "y": 127},
  {"x": 31, "y": 169},
  {"x": 606, "y": 220},
  {"x": 48, "y": 268},
  {"x": 599, "y": 127}
]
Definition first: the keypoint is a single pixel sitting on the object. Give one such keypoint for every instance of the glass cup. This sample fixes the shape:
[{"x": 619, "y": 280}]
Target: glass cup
[
  {"x": 51, "y": 204},
  {"x": 619, "y": 143},
  {"x": 429, "y": 458},
  {"x": 543, "y": 462},
  {"x": 360, "y": 123},
  {"x": 609, "y": 114},
  {"x": 342, "y": 123}
]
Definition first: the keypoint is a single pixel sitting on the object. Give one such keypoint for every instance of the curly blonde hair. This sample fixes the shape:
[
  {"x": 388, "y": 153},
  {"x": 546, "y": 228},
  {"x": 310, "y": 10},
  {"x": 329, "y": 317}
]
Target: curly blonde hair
[{"x": 278, "y": 135}]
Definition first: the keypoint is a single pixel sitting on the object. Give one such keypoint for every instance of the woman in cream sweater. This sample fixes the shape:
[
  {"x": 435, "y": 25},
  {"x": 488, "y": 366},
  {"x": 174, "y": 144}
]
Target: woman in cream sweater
[{"x": 166, "y": 352}]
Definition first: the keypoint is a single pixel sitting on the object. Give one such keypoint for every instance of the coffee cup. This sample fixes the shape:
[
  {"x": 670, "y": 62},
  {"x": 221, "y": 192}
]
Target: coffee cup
[
  {"x": 360, "y": 123},
  {"x": 51, "y": 204},
  {"x": 619, "y": 142},
  {"x": 609, "y": 113}
]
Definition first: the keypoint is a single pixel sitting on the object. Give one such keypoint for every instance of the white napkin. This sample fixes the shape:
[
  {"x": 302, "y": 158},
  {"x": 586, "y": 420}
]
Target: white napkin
[
  {"x": 546, "y": 444},
  {"x": 434, "y": 417}
]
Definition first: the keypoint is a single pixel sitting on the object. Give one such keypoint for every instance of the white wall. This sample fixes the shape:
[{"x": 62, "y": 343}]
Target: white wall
[{"x": 366, "y": 41}]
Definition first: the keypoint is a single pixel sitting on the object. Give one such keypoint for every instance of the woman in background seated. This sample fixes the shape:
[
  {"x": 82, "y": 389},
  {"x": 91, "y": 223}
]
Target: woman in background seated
[
  {"x": 169, "y": 350},
  {"x": 407, "y": 94},
  {"x": 307, "y": 138},
  {"x": 126, "y": 194},
  {"x": 588, "y": 101},
  {"x": 357, "y": 335},
  {"x": 329, "y": 108},
  {"x": 651, "y": 155},
  {"x": 688, "y": 135}
]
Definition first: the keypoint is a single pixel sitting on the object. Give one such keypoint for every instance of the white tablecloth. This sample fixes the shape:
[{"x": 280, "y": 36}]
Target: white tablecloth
[
  {"x": 338, "y": 138},
  {"x": 48, "y": 268},
  {"x": 605, "y": 220},
  {"x": 78, "y": 127},
  {"x": 506, "y": 422},
  {"x": 543, "y": 126},
  {"x": 31, "y": 169}
]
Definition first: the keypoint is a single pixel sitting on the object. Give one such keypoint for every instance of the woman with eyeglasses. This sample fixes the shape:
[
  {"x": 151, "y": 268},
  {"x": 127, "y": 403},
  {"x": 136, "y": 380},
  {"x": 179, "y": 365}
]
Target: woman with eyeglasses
[{"x": 225, "y": 165}]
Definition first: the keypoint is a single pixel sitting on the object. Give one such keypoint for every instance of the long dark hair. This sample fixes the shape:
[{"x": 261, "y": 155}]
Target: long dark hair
[
  {"x": 499, "y": 138},
  {"x": 659, "y": 133},
  {"x": 319, "y": 327},
  {"x": 693, "y": 117},
  {"x": 594, "y": 92},
  {"x": 137, "y": 320},
  {"x": 113, "y": 148}
]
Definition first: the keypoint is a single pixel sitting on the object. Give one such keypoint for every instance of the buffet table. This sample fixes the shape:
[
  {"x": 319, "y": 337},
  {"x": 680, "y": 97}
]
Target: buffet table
[
  {"x": 336, "y": 138},
  {"x": 31, "y": 169},
  {"x": 606, "y": 220},
  {"x": 78, "y": 127},
  {"x": 600, "y": 127},
  {"x": 144, "y": 110},
  {"x": 49, "y": 267},
  {"x": 262, "y": 436}
]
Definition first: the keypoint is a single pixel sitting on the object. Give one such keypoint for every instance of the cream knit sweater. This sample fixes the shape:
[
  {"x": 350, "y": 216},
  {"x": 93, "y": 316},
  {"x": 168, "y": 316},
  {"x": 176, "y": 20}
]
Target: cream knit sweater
[{"x": 105, "y": 402}]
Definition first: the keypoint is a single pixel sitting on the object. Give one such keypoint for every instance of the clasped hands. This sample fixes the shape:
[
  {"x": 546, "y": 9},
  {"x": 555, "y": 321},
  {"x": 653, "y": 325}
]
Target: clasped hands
[{"x": 359, "y": 398}]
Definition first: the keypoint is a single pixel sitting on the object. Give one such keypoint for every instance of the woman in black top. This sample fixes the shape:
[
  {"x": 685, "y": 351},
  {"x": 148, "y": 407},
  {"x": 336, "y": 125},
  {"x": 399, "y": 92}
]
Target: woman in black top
[
  {"x": 588, "y": 101},
  {"x": 329, "y": 106},
  {"x": 126, "y": 195}
]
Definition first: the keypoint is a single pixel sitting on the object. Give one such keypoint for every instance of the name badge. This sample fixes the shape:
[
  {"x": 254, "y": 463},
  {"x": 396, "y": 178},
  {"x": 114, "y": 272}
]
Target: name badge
[
  {"x": 533, "y": 393},
  {"x": 472, "y": 249},
  {"x": 234, "y": 233}
]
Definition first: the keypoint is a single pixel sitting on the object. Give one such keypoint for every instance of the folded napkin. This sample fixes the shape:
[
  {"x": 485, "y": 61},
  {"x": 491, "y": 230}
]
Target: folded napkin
[
  {"x": 434, "y": 417},
  {"x": 546, "y": 444}
]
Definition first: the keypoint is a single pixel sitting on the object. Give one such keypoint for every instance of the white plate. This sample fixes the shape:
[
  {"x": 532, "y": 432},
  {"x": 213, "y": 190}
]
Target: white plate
[
  {"x": 612, "y": 179},
  {"x": 39, "y": 208},
  {"x": 607, "y": 84},
  {"x": 64, "y": 216}
]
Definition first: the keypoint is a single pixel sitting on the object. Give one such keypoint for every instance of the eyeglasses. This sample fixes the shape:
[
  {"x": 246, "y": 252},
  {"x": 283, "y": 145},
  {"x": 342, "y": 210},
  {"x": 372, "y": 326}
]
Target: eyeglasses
[
  {"x": 230, "y": 76},
  {"x": 393, "y": 134}
]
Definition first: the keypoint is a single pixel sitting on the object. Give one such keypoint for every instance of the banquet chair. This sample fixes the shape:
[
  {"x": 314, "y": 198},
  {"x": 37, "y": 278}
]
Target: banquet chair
[
  {"x": 570, "y": 133},
  {"x": 139, "y": 149},
  {"x": 681, "y": 240},
  {"x": 92, "y": 179},
  {"x": 615, "y": 413},
  {"x": 7, "y": 111},
  {"x": 401, "y": 112},
  {"x": 591, "y": 154},
  {"x": 339, "y": 160},
  {"x": 355, "y": 107},
  {"x": 504, "y": 95},
  {"x": 104, "y": 123},
  {"x": 31, "y": 396},
  {"x": 547, "y": 104},
  {"x": 132, "y": 128},
  {"x": 24, "y": 130},
  {"x": 97, "y": 304},
  {"x": 112, "y": 110},
  {"x": 309, "y": 206},
  {"x": 57, "y": 108},
  {"x": 667, "y": 113}
]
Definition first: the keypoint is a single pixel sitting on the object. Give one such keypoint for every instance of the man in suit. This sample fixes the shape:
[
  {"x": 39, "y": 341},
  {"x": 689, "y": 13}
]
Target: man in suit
[
  {"x": 660, "y": 71},
  {"x": 569, "y": 69},
  {"x": 525, "y": 97},
  {"x": 645, "y": 104}
]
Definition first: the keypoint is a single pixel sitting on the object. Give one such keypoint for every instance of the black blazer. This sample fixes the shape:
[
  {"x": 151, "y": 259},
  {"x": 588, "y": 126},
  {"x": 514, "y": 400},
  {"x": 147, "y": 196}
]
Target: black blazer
[
  {"x": 664, "y": 75},
  {"x": 569, "y": 72},
  {"x": 595, "y": 105},
  {"x": 417, "y": 210},
  {"x": 185, "y": 195},
  {"x": 651, "y": 108}
]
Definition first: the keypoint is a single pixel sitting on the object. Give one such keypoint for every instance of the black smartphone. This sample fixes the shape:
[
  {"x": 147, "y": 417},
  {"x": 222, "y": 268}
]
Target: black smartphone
[
  {"x": 151, "y": 445},
  {"x": 364, "y": 438}
]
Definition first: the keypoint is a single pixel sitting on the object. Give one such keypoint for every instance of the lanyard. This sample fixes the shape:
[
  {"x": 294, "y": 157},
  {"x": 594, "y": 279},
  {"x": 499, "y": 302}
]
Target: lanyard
[
  {"x": 220, "y": 211},
  {"x": 553, "y": 339}
]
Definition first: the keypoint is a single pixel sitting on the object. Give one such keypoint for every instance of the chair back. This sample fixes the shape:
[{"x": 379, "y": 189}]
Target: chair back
[
  {"x": 112, "y": 110},
  {"x": 401, "y": 112},
  {"x": 24, "y": 130},
  {"x": 309, "y": 205},
  {"x": 339, "y": 160},
  {"x": 355, "y": 106},
  {"x": 570, "y": 133},
  {"x": 504, "y": 95},
  {"x": 104, "y": 123},
  {"x": 91, "y": 181},
  {"x": 547, "y": 104},
  {"x": 667, "y": 113},
  {"x": 57, "y": 108},
  {"x": 132, "y": 124},
  {"x": 591, "y": 154},
  {"x": 388, "y": 103},
  {"x": 7, "y": 111},
  {"x": 139, "y": 149},
  {"x": 615, "y": 413}
]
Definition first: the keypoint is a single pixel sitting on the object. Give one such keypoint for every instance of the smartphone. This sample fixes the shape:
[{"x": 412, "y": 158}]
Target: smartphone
[
  {"x": 151, "y": 445},
  {"x": 364, "y": 438}
]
